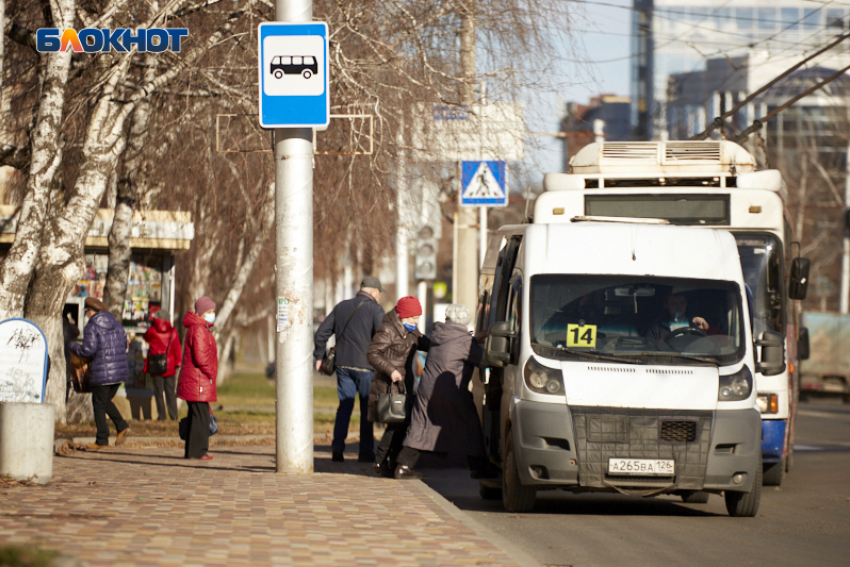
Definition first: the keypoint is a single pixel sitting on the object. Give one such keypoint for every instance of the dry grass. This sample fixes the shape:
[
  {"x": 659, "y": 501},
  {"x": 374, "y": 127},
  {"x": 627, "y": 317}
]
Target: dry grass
[{"x": 245, "y": 406}]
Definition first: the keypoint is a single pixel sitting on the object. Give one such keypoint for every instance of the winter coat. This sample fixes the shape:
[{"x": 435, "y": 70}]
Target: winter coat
[
  {"x": 158, "y": 336},
  {"x": 393, "y": 348},
  {"x": 200, "y": 361},
  {"x": 350, "y": 348},
  {"x": 444, "y": 417},
  {"x": 105, "y": 345}
]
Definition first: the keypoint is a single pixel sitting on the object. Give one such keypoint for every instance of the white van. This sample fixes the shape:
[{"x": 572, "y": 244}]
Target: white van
[{"x": 621, "y": 359}]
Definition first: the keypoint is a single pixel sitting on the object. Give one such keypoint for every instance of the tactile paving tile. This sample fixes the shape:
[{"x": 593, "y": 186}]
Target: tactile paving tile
[{"x": 150, "y": 507}]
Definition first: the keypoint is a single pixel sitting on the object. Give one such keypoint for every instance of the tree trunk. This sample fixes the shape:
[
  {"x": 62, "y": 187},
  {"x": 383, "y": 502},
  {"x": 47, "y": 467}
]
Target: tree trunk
[
  {"x": 130, "y": 186},
  {"x": 46, "y": 143},
  {"x": 226, "y": 349},
  {"x": 244, "y": 270}
]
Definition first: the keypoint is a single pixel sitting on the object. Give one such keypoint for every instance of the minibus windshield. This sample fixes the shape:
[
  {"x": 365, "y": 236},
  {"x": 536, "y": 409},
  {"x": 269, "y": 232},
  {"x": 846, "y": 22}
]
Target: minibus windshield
[{"x": 646, "y": 320}]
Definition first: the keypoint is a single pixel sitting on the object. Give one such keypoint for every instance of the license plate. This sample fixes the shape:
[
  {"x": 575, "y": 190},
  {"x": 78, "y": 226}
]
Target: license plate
[{"x": 641, "y": 467}]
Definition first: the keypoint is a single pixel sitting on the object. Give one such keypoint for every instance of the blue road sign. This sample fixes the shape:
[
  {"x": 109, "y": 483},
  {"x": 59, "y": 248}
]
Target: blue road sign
[
  {"x": 293, "y": 70},
  {"x": 484, "y": 184}
]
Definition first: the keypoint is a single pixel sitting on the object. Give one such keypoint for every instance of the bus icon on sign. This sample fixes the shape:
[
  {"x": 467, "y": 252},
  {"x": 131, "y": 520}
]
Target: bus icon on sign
[{"x": 305, "y": 66}]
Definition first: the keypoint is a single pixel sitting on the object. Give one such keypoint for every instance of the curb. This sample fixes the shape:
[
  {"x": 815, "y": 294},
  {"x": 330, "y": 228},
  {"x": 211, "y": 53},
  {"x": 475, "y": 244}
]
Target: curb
[
  {"x": 60, "y": 445},
  {"x": 522, "y": 558}
]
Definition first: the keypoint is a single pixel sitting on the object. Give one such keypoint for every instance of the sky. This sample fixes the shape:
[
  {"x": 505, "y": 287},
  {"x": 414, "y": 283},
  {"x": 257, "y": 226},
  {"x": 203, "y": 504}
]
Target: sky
[{"x": 604, "y": 32}]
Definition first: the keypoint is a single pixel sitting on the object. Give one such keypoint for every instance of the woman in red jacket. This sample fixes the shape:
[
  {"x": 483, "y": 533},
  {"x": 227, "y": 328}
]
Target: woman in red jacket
[
  {"x": 162, "y": 339},
  {"x": 197, "y": 378}
]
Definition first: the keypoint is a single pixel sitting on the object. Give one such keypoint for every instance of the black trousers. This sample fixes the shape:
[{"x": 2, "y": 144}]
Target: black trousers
[
  {"x": 198, "y": 439},
  {"x": 410, "y": 456},
  {"x": 167, "y": 386},
  {"x": 101, "y": 401},
  {"x": 391, "y": 443}
]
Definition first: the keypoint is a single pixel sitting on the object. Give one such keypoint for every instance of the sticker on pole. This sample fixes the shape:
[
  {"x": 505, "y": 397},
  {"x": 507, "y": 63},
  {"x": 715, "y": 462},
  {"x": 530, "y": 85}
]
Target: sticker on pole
[
  {"x": 23, "y": 362},
  {"x": 293, "y": 67},
  {"x": 484, "y": 184},
  {"x": 282, "y": 313}
]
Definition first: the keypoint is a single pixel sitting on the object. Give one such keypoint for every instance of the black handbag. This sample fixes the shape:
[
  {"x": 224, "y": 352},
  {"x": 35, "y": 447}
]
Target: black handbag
[
  {"x": 328, "y": 365},
  {"x": 392, "y": 408},
  {"x": 183, "y": 427},
  {"x": 158, "y": 363}
]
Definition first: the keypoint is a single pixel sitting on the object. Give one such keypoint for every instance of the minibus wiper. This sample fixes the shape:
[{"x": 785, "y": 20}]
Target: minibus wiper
[
  {"x": 590, "y": 353},
  {"x": 682, "y": 355}
]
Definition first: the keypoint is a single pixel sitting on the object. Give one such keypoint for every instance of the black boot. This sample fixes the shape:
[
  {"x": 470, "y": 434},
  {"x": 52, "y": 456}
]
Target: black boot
[{"x": 403, "y": 472}]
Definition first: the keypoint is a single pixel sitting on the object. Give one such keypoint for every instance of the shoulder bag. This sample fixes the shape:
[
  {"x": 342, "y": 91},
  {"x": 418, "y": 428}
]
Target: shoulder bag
[
  {"x": 392, "y": 408},
  {"x": 158, "y": 363},
  {"x": 80, "y": 374},
  {"x": 329, "y": 361}
]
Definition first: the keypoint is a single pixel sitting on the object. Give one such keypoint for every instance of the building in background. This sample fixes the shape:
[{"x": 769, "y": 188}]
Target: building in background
[
  {"x": 673, "y": 41},
  {"x": 606, "y": 117}
]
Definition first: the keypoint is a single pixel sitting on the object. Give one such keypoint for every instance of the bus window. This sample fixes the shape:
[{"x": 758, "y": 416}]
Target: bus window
[
  {"x": 761, "y": 261},
  {"x": 297, "y": 61}
]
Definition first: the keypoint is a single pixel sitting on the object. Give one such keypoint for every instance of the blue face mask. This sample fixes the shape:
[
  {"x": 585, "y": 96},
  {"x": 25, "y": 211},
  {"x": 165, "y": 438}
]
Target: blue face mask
[{"x": 410, "y": 327}]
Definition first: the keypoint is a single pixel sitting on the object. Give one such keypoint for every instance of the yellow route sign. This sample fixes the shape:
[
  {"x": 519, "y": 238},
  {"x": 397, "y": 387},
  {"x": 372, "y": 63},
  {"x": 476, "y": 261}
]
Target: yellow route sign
[{"x": 581, "y": 336}]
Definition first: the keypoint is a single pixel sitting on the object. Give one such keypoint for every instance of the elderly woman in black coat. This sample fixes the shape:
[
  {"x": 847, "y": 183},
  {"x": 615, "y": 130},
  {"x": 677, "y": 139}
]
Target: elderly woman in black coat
[{"x": 444, "y": 418}]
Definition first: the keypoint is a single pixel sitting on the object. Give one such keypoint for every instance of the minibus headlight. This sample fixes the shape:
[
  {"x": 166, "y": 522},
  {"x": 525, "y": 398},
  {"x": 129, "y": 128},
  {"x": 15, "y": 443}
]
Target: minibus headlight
[
  {"x": 542, "y": 379},
  {"x": 768, "y": 403},
  {"x": 736, "y": 387}
]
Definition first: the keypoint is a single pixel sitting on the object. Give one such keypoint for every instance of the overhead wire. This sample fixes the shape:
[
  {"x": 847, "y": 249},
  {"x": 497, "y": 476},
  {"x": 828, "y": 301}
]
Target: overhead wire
[
  {"x": 748, "y": 36},
  {"x": 721, "y": 119}
]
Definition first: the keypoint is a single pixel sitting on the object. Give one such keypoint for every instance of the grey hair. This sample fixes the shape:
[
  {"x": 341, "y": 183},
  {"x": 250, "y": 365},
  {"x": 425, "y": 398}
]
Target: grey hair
[{"x": 457, "y": 313}]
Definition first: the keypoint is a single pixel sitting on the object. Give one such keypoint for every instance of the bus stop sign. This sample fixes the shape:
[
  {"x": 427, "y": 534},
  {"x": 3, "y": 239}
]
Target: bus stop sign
[{"x": 293, "y": 69}]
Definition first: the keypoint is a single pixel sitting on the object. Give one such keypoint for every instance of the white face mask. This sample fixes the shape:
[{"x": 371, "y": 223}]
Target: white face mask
[{"x": 209, "y": 318}]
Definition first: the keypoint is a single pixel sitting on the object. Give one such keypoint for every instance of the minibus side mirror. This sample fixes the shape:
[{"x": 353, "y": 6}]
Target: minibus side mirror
[
  {"x": 803, "y": 344},
  {"x": 772, "y": 359},
  {"x": 498, "y": 344},
  {"x": 798, "y": 283}
]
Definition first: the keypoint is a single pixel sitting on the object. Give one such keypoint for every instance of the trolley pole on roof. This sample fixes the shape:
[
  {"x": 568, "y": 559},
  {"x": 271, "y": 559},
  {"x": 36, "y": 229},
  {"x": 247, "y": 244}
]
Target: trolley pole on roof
[{"x": 293, "y": 156}]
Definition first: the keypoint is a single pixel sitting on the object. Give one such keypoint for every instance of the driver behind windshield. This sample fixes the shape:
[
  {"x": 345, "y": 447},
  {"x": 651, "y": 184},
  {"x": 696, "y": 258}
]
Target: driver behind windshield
[{"x": 674, "y": 317}]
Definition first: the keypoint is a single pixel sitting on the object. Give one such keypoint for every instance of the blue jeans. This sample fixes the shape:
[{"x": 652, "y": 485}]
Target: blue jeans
[{"x": 349, "y": 384}]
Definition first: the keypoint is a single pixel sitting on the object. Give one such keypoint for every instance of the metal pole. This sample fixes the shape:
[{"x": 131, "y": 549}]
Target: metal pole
[
  {"x": 402, "y": 255},
  {"x": 482, "y": 236},
  {"x": 293, "y": 155},
  {"x": 455, "y": 219},
  {"x": 466, "y": 265},
  {"x": 844, "y": 300},
  {"x": 422, "y": 292}
]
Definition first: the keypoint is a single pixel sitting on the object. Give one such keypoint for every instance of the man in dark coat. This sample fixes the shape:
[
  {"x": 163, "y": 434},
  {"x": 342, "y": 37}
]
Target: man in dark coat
[
  {"x": 105, "y": 345},
  {"x": 444, "y": 417},
  {"x": 354, "y": 323}
]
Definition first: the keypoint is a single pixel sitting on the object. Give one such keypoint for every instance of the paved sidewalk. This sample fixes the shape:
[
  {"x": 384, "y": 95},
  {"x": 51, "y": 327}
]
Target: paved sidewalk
[{"x": 151, "y": 507}]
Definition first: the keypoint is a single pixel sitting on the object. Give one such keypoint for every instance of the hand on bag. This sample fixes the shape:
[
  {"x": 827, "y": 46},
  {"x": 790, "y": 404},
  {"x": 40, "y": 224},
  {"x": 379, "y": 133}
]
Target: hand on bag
[
  {"x": 318, "y": 365},
  {"x": 396, "y": 376}
]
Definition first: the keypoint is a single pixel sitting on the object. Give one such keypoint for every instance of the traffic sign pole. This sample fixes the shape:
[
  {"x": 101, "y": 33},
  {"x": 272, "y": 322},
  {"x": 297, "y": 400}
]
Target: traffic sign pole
[{"x": 293, "y": 155}]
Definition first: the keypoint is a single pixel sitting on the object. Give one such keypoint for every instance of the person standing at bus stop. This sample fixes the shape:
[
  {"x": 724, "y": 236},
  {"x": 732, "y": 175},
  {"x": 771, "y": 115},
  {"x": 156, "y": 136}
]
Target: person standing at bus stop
[
  {"x": 198, "y": 377},
  {"x": 164, "y": 346},
  {"x": 353, "y": 322}
]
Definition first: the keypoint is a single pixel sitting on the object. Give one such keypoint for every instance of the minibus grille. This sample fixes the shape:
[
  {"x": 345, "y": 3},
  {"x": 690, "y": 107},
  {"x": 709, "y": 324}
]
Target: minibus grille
[
  {"x": 603, "y": 433},
  {"x": 678, "y": 431}
]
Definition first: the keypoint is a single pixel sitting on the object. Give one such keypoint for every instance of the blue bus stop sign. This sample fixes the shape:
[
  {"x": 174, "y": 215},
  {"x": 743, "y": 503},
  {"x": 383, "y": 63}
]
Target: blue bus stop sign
[{"x": 293, "y": 70}]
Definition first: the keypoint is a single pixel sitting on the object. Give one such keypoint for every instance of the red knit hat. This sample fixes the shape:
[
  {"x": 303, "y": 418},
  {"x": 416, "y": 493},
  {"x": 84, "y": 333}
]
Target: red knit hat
[{"x": 408, "y": 307}]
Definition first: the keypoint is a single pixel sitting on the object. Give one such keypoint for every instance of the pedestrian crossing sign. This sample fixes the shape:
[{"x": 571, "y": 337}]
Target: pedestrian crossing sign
[{"x": 484, "y": 184}]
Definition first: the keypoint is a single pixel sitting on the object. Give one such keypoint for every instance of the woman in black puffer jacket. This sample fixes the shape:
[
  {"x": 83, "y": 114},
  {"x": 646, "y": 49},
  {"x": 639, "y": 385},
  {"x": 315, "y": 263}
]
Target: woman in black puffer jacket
[{"x": 105, "y": 345}]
